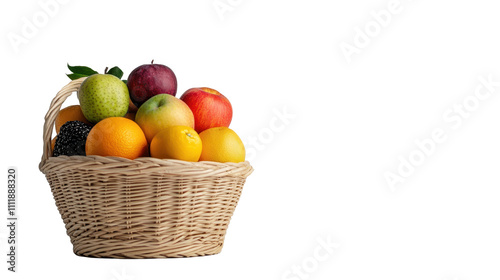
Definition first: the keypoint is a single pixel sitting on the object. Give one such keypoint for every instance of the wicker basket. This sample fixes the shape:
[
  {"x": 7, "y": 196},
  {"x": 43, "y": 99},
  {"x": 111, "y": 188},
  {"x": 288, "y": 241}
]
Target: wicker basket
[{"x": 143, "y": 208}]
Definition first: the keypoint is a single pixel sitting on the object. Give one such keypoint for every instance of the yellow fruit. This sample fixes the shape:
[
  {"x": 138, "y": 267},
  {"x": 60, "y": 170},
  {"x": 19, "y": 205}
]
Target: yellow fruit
[
  {"x": 177, "y": 142},
  {"x": 71, "y": 113},
  {"x": 221, "y": 144},
  {"x": 117, "y": 136}
]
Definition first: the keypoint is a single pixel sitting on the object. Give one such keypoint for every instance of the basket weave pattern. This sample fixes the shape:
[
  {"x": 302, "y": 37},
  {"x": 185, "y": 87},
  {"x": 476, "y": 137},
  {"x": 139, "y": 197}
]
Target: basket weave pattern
[{"x": 143, "y": 208}]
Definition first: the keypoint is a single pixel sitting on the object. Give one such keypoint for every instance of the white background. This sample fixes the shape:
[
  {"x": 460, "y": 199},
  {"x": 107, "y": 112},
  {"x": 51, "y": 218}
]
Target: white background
[{"x": 320, "y": 174}]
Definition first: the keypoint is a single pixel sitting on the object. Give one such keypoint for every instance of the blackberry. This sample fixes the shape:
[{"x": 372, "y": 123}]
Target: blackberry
[{"x": 71, "y": 139}]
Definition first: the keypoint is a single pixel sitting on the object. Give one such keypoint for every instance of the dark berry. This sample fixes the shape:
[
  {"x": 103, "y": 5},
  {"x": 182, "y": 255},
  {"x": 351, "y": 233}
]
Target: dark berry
[{"x": 71, "y": 139}]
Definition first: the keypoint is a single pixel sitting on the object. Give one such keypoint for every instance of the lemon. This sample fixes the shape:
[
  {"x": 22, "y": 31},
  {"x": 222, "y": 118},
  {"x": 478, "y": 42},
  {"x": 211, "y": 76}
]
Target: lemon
[{"x": 221, "y": 144}]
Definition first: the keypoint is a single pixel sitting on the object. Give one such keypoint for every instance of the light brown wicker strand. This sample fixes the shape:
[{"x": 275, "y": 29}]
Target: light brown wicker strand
[
  {"x": 50, "y": 117},
  {"x": 144, "y": 208}
]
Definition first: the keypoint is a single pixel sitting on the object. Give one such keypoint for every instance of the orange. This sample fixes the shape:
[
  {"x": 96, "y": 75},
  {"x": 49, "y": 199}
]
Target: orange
[
  {"x": 177, "y": 142},
  {"x": 71, "y": 113},
  {"x": 118, "y": 137},
  {"x": 221, "y": 144}
]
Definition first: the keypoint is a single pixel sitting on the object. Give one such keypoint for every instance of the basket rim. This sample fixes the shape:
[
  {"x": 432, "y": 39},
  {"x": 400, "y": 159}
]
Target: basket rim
[{"x": 108, "y": 164}]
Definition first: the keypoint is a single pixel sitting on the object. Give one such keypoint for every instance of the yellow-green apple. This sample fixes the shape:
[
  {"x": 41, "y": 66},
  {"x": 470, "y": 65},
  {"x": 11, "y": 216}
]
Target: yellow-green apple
[
  {"x": 210, "y": 108},
  {"x": 149, "y": 80},
  {"x": 162, "y": 111},
  {"x": 102, "y": 96}
]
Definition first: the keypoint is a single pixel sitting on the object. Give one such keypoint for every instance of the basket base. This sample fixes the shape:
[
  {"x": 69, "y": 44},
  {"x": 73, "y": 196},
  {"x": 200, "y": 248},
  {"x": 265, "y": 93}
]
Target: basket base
[{"x": 139, "y": 249}]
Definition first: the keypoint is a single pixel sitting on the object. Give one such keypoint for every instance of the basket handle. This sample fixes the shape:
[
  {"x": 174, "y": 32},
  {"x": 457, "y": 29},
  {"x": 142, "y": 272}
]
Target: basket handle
[{"x": 50, "y": 117}]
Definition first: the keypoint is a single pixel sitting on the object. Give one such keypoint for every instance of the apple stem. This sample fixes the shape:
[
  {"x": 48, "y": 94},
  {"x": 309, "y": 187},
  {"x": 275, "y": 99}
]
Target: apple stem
[
  {"x": 152, "y": 61},
  {"x": 106, "y": 70}
]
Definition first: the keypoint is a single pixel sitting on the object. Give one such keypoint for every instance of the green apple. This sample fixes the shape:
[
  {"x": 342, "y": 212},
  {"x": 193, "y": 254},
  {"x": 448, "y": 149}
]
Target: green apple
[{"x": 102, "y": 96}]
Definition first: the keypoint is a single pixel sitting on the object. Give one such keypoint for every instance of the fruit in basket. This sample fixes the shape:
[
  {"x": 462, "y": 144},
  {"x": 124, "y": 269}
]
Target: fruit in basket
[
  {"x": 162, "y": 111},
  {"x": 130, "y": 116},
  {"x": 70, "y": 113},
  {"x": 71, "y": 139},
  {"x": 177, "y": 142},
  {"x": 132, "y": 110},
  {"x": 118, "y": 137},
  {"x": 103, "y": 96},
  {"x": 149, "y": 80},
  {"x": 221, "y": 144},
  {"x": 210, "y": 108},
  {"x": 131, "y": 107}
]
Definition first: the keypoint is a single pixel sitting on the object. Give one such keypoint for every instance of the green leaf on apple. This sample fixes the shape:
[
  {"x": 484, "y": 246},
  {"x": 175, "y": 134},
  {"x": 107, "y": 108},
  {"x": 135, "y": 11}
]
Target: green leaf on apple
[
  {"x": 75, "y": 76},
  {"x": 125, "y": 81},
  {"x": 116, "y": 71},
  {"x": 82, "y": 70}
]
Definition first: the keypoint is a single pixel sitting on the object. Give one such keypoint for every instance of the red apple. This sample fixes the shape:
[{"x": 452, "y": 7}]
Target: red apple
[
  {"x": 210, "y": 108},
  {"x": 149, "y": 80}
]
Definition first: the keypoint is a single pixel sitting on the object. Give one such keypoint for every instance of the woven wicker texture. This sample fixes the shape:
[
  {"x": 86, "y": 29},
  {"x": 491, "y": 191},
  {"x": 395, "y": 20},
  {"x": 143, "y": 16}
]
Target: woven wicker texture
[{"x": 143, "y": 208}]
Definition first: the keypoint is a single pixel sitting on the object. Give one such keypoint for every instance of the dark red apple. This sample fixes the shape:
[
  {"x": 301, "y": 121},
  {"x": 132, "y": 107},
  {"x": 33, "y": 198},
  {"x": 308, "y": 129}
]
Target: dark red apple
[
  {"x": 210, "y": 108},
  {"x": 149, "y": 80}
]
